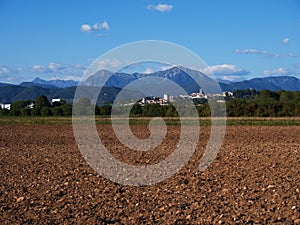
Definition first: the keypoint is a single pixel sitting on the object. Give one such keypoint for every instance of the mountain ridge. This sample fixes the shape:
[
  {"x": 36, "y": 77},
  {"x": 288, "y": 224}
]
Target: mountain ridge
[
  {"x": 272, "y": 83},
  {"x": 184, "y": 77},
  {"x": 176, "y": 74},
  {"x": 58, "y": 83}
]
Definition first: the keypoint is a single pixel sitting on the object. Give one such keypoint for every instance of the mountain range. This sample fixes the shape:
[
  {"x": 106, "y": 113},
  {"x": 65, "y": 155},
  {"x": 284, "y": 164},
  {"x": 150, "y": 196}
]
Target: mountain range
[
  {"x": 113, "y": 83},
  {"x": 50, "y": 83}
]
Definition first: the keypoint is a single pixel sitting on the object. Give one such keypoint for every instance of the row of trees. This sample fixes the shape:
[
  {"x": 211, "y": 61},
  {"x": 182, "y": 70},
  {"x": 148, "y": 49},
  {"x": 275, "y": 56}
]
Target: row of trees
[
  {"x": 39, "y": 107},
  {"x": 245, "y": 103},
  {"x": 266, "y": 104}
]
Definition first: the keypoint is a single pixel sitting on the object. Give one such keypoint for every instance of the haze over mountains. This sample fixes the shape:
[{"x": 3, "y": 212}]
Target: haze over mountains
[
  {"x": 177, "y": 75},
  {"x": 184, "y": 77}
]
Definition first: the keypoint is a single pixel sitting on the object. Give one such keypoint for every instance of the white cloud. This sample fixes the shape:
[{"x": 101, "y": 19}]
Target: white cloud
[
  {"x": 10, "y": 75},
  {"x": 161, "y": 7},
  {"x": 279, "y": 71},
  {"x": 55, "y": 68},
  {"x": 285, "y": 40},
  {"x": 19, "y": 69},
  {"x": 104, "y": 25},
  {"x": 60, "y": 71},
  {"x": 86, "y": 28},
  {"x": 4, "y": 70},
  {"x": 231, "y": 78},
  {"x": 250, "y": 51},
  {"x": 265, "y": 53},
  {"x": 96, "y": 27},
  {"x": 38, "y": 68},
  {"x": 107, "y": 64},
  {"x": 75, "y": 78},
  {"x": 292, "y": 55},
  {"x": 257, "y": 52},
  {"x": 225, "y": 70}
]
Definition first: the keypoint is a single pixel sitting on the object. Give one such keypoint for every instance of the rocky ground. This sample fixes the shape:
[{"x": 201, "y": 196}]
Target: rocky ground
[{"x": 255, "y": 179}]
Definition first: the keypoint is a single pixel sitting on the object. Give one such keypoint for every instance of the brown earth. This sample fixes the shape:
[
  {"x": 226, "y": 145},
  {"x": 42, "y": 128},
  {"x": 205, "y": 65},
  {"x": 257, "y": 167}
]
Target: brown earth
[{"x": 255, "y": 179}]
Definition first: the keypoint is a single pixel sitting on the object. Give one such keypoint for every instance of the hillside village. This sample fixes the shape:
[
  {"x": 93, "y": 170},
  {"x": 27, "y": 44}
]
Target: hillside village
[{"x": 198, "y": 98}]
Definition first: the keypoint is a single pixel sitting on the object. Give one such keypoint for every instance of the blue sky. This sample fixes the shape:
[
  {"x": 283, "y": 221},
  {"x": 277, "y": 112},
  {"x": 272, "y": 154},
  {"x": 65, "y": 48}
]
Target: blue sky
[{"x": 54, "y": 39}]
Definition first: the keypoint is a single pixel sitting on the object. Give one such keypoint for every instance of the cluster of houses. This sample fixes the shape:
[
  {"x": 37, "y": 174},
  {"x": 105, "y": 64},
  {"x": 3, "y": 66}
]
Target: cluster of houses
[
  {"x": 30, "y": 106},
  {"x": 155, "y": 100},
  {"x": 219, "y": 97}
]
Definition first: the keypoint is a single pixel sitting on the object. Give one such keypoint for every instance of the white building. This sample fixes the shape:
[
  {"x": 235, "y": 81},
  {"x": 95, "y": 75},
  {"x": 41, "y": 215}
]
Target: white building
[
  {"x": 30, "y": 106},
  {"x": 5, "y": 106},
  {"x": 227, "y": 93},
  {"x": 166, "y": 97},
  {"x": 55, "y": 100}
]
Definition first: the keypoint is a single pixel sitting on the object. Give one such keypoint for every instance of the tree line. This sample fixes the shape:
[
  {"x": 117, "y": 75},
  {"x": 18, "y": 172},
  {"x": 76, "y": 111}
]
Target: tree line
[
  {"x": 247, "y": 103},
  {"x": 266, "y": 104},
  {"x": 41, "y": 106}
]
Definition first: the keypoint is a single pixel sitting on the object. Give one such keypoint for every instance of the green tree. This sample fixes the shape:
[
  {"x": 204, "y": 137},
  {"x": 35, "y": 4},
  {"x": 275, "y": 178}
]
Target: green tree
[
  {"x": 66, "y": 110},
  {"x": 4, "y": 112},
  {"x": 25, "y": 112},
  {"x": 267, "y": 108},
  {"x": 57, "y": 111},
  {"x": 247, "y": 93},
  {"x": 136, "y": 110},
  {"x": 17, "y": 106},
  {"x": 297, "y": 109},
  {"x": 251, "y": 107},
  {"x": 41, "y": 102},
  {"x": 105, "y": 109},
  {"x": 266, "y": 95},
  {"x": 97, "y": 110},
  {"x": 35, "y": 111},
  {"x": 236, "y": 107},
  {"x": 46, "y": 111},
  {"x": 171, "y": 111},
  {"x": 83, "y": 107},
  {"x": 13, "y": 112},
  {"x": 153, "y": 110},
  {"x": 286, "y": 96},
  {"x": 287, "y": 109}
]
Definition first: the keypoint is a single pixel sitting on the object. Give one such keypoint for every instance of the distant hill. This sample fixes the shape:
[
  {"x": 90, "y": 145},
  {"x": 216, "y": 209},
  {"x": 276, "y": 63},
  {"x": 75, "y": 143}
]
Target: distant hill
[
  {"x": 5, "y": 84},
  {"x": 277, "y": 83},
  {"x": 12, "y": 93},
  {"x": 7, "y": 93},
  {"x": 50, "y": 83}
]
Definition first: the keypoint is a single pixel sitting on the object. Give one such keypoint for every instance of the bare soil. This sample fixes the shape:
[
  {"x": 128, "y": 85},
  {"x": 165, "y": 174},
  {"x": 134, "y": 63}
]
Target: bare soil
[{"x": 255, "y": 179}]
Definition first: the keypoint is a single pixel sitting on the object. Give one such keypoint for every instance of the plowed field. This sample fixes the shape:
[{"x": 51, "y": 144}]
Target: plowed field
[{"x": 255, "y": 179}]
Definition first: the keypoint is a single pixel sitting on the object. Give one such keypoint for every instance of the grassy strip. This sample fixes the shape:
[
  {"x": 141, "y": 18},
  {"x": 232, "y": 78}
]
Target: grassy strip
[
  {"x": 35, "y": 120},
  {"x": 232, "y": 121}
]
